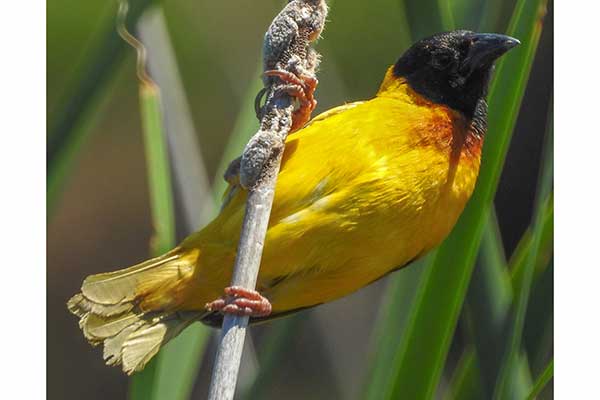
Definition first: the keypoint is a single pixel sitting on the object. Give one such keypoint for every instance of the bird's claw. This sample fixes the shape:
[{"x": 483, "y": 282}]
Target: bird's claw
[
  {"x": 302, "y": 86},
  {"x": 241, "y": 302}
]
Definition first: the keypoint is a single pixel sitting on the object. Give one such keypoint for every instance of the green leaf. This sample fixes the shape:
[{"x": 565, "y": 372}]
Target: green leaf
[
  {"x": 442, "y": 291},
  {"x": 492, "y": 252},
  {"x": 498, "y": 298},
  {"x": 159, "y": 171},
  {"x": 542, "y": 380},
  {"x": 161, "y": 202},
  {"x": 538, "y": 333},
  {"x": 446, "y": 14},
  {"x": 390, "y": 325},
  {"x": 141, "y": 385},
  {"x": 504, "y": 388},
  {"x": 178, "y": 364},
  {"x": 465, "y": 383},
  {"x": 545, "y": 209},
  {"x": 518, "y": 261},
  {"x": 489, "y": 301}
]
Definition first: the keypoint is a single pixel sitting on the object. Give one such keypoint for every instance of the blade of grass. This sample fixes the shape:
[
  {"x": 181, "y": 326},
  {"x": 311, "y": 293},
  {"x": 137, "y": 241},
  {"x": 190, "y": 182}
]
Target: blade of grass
[
  {"x": 465, "y": 383},
  {"x": 161, "y": 202},
  {"x": 492, "y": 250},
  {"x": 159, "y": 178},
  {"x": 159, "y": 171},
  {"x": 490, "y": 293},
  {"x": 521, "y": 256},
  {"x": 538, "y": 330},
  {"x": 178, "y": 363},
  {"x": 519, "y": 259},
  {"x": 496, "y": 297},
  {"x": 503, "y": 387},
  {"x": 492, "y": 296},
  {"x": 538, "y": 333},
  {"x": 446, "y": 14},
  {"x": 390, "y": 325},
  {"x": 68, "y": 130},
  {"x": 542, "y": 380},
  {"x": 441, "y": 294},
  {"x": 489, "y": 299}
]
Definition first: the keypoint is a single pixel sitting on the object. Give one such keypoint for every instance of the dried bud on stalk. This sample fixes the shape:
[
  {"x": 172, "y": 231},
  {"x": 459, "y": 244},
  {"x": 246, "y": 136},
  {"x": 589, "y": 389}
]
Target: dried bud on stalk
[{"x": 286, "y": 48}]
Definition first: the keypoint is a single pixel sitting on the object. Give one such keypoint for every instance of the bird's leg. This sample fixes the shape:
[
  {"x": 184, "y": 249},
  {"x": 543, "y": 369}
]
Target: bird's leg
[
  {"x": 302, "y": 86},
  {"x": 242, "y": 302}
]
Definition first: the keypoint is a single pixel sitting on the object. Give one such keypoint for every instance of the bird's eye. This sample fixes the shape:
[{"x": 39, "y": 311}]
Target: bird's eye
[
  {"x": 464, "y": 47},
  {"x": 442, "y": 61}
]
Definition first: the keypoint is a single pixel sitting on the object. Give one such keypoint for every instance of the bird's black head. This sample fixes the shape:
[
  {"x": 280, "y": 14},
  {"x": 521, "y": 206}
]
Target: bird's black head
[{"x": 453, "y": 68}]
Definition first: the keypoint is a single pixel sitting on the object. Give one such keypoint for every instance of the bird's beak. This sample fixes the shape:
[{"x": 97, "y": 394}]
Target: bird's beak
[{"x": 486, "y": 48}]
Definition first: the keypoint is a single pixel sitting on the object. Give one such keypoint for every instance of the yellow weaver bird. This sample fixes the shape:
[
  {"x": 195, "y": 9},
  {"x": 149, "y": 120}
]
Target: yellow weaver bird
[{"x": 363, "y": 190}]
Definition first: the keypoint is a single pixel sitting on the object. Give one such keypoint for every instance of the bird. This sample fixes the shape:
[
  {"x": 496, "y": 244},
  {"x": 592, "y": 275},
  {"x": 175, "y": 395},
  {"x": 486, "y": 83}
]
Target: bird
[{"x": 364, "y": 189}]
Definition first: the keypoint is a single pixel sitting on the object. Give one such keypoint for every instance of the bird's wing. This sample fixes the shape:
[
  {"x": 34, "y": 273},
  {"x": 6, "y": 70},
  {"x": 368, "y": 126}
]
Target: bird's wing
[{"x": 232, "y": 174}]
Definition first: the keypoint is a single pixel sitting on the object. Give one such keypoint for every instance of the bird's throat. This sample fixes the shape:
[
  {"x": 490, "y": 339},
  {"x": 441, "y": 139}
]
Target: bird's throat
[{"x": 467, "y": 131}]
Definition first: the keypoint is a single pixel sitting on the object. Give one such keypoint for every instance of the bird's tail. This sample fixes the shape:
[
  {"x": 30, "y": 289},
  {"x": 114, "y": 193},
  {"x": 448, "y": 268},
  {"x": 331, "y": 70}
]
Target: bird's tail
[{"x": 135, "y": 311}]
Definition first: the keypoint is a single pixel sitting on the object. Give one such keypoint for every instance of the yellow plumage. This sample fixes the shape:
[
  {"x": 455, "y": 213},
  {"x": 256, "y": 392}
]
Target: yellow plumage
[{"x": 364, "y": 189}]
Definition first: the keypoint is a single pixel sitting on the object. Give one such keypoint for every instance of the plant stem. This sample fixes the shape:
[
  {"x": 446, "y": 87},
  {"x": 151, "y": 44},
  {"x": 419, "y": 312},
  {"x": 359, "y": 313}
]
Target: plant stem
[{"x": 260, "y": 162}]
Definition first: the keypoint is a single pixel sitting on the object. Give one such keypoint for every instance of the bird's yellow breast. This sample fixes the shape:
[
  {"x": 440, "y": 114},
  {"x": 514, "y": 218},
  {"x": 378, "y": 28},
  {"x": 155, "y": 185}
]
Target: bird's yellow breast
[{"x": 363, "y": 189}]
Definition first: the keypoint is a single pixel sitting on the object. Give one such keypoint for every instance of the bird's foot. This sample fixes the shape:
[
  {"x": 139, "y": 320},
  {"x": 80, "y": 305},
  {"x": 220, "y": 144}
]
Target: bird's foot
[
  {"x": 241, "y": 302},
  {"x": 301, "y": 86}
]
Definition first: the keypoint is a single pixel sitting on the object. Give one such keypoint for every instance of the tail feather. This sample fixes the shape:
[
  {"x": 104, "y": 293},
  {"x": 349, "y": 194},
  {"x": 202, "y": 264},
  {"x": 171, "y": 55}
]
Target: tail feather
[
  {"x": 143, "y": 343},
  {"x": 121, "y": 286},
  {"x": 100, "y": 328},
  {"x": 113, "y": 346},
  {"x": 133, "y": 312},
  {"x": 80, "y": 306}
]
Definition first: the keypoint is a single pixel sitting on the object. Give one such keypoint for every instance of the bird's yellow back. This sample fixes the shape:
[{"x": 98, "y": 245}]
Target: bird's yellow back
[{"x": 363, "y": 189}]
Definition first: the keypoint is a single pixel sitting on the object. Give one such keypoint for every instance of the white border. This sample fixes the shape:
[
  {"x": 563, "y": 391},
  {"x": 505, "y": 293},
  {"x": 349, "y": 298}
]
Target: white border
[
  {"x": 23, "y": 199},
  {"x": 577, "y": 200}
]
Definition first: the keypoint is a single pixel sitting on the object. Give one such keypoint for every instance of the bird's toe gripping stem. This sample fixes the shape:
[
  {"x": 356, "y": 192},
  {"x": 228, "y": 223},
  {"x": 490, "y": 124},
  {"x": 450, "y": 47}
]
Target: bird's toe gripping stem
[
  {"x": 241, "y": 302},
  {"x": 301, "y": 86}
]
